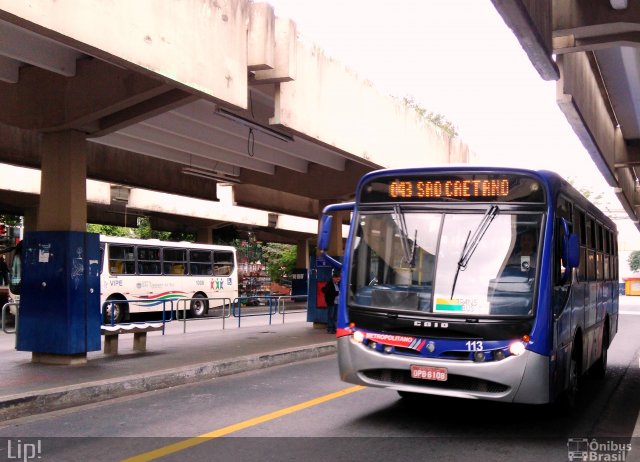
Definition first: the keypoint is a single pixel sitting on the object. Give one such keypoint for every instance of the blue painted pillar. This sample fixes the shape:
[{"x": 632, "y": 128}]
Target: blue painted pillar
[{"x": 60, "y": 294}]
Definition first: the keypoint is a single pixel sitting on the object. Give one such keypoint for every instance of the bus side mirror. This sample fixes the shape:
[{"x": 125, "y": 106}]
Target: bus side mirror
[
  {"x": 571, "y": 251},
  {"x": 325, "y": 232}
]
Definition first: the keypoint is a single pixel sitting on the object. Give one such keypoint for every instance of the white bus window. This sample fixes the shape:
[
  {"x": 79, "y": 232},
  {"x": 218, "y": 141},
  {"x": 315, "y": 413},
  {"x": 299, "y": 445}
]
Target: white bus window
[
  {"x": 175, "y": 261},
  {"x": 121, "y": 259},
  {"x": 200, "y": 263},
  {"x": 222, "y": 263},
  {"x": 149, "y": 260}
]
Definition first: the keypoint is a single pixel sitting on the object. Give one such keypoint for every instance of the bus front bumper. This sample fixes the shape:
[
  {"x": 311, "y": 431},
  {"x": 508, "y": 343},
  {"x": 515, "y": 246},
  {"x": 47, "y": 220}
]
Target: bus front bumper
[{"x": 519, "y": 379}]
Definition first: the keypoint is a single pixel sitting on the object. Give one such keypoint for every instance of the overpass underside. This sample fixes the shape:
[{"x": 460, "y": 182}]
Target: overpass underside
[
  {"x": 592, "y": 49},
  {"x": 178, "y": 96}
]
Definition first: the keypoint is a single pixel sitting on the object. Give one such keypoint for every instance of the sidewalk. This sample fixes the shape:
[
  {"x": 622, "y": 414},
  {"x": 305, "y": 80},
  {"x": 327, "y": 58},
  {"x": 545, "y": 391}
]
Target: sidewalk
[{"x": 205, "y": 351}]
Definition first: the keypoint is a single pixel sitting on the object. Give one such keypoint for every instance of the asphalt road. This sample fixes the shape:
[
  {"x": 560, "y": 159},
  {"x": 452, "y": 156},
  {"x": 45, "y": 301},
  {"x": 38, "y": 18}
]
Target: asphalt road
[{"x": 303, "y": 412}]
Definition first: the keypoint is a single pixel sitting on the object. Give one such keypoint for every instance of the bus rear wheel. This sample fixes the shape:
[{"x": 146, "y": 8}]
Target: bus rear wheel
[
  {"x": 199, "y": 306},
  {"x": 119, "y": 311}
]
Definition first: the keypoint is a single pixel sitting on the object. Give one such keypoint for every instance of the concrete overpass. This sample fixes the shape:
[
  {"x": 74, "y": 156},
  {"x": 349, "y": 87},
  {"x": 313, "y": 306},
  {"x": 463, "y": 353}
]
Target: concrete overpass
[
  {"x": 592, "y": 49},
  {"x": 176, "y": 96}
]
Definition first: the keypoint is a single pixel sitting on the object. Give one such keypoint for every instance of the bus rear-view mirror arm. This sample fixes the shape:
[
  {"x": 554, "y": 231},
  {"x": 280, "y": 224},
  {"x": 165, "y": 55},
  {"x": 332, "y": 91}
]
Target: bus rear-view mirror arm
[{"x": 324, "y": 236}]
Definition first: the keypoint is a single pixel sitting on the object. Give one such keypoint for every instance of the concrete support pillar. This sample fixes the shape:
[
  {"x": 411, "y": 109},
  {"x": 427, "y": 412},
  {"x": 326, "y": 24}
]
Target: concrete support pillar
[
  {"x": 30, "y": 219},
  {"x": 204, "y": 236},
  {"x": 63, "y": 208},
  {"x": 63, "y": 193},
  {"x": 302, "y": 256}
]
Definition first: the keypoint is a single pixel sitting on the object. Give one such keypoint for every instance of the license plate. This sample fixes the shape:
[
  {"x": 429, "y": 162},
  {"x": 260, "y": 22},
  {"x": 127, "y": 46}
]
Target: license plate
[{"x": 429, "y": 373}]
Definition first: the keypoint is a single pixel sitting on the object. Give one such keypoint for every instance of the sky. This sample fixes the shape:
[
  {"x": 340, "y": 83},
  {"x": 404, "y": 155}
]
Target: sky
[{"x": 457, "y": 58}]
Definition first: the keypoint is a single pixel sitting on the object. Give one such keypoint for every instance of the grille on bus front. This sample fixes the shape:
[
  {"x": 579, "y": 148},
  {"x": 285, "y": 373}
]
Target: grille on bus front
[{"x": 454, "y": 382}]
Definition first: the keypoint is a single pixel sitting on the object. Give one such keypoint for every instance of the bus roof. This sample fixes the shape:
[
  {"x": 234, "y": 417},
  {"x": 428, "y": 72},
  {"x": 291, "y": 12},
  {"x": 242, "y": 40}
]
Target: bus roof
[{"x": 158, "y": 242}]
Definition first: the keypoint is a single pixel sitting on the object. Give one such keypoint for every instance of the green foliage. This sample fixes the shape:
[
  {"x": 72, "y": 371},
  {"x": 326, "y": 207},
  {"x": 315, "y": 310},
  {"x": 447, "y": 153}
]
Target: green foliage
[
  {"x": 634, "y": 260},
  {"x": 109, "y": 230},
  {"x": 10, "y": 220},
  {"x": 435, "y": 118},
  {"x": 143, "y": 231},
  {"x": 279, "y": 259},
  {"x": 593, "y": 197}
]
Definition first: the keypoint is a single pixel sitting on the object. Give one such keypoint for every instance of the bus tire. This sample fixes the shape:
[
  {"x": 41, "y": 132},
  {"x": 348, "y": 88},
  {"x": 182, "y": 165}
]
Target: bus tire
[
  {"x": 199, "y": 306},
  {"x": 599, "y": 368},
  {"x": 119, "y": 310},
  {"x": 570, "y": 395}
]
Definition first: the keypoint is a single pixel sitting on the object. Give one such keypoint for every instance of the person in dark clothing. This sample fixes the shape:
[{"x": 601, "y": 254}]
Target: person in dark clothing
[
  {"x": 4, "y": 272},
  {"x": 331, "y": 291}
]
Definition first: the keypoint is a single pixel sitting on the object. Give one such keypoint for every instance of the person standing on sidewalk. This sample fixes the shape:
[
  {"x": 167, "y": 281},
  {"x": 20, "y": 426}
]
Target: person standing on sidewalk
[
  {"x": 331, "y": 291},
  {"x": 4, "y": 272}
]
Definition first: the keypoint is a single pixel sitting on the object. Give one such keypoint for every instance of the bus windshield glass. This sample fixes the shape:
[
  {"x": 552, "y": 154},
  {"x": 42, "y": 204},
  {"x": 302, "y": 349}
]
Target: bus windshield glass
[{"x": 479, "y": 263}]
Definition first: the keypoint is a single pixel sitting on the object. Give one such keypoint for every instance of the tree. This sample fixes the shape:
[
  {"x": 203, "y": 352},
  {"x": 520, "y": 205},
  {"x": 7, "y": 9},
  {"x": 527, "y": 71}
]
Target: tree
[
  {"x": 434, "y": 118},
  {"x": 143, "y": 231},
  {"x": 279, "y": 259},
  {"x": 634, "y": 260},
  {"x": 10, "y": 220}
]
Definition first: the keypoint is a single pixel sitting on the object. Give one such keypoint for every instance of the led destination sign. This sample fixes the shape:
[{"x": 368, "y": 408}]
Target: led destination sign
[
  {"x": 471, "y": 187},
  {"x": 449, "y": 188}
]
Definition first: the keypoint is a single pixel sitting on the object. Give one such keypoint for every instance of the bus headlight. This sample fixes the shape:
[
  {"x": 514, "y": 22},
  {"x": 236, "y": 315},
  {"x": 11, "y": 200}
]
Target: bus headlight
[
  {"x": 516, "y": 348},
  {"x": 358, "y": 336}
]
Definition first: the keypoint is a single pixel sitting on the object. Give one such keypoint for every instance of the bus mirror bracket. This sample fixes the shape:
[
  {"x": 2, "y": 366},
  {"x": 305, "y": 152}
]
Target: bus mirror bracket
[
  {"x": 325, "y": 232},
  {"x": 324, "y": 236},
  {"x": 324, "y": 239}
]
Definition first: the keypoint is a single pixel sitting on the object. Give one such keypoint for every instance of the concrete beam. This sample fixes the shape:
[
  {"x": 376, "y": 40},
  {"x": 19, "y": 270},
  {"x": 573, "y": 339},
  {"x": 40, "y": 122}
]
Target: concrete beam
[
  {"x": 285, "y": 55},
  {"x": 580, "y": 97},
  {"x": 530, "y": 21},
  {"x": 330, "y": 185},
  {"x": 586, "y": 18},
  {"x": 23, "y": 148},
  {"x": 46, "y": 102},
  {"x": 324, "y": 110},
  {"x": 261, "y": 37},
  {"x": 571, "y": 44},
  {"x": 199, "y": 46},
  {"x": 249, "y": 195}
]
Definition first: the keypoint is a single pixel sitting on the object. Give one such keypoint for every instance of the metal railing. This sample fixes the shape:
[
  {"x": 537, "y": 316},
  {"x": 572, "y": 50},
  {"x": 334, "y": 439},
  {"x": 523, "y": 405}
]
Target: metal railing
[
  {"x": 103, "y": 312},
  {"x": 251, "y": 302},
  {"x": 282, "y": 304},
  {"x": 6, "y": 315},
  {"x": 225, "y": 307},
  {"x": 274, "y": 304}
]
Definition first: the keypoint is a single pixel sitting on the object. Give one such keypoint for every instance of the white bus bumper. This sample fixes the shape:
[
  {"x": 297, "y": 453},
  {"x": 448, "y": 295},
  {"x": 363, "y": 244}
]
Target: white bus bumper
[{"x": 520, "y": 379}]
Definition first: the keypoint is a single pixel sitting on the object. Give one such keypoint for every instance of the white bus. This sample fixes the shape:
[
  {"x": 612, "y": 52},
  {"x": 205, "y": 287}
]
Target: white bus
[{"x": 148, "y": 271}]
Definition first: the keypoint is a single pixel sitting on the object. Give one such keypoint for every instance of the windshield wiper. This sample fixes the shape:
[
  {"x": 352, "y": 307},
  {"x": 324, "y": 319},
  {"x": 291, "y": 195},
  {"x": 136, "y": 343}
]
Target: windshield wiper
[
  {"x": 408, "y": 247},
  {"x": 472, "y": 242}
]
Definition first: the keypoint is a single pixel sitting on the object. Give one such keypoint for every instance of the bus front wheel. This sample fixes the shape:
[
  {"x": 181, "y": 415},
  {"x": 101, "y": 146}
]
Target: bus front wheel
[{"x": 199, "y": 306}]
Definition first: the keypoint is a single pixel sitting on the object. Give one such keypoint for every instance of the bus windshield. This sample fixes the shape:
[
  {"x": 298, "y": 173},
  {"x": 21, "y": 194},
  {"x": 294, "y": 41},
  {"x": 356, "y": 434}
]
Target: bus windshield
[{"x": 483, "y": 262}]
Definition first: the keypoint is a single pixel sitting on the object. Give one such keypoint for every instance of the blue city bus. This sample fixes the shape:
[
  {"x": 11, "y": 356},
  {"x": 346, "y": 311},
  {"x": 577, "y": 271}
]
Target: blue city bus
[{"x": 474, "y": 282}]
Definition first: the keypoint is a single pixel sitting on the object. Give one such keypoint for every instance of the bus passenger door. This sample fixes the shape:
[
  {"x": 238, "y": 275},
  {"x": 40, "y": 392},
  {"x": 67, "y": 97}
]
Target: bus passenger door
[{"x": 567, "y": 302}]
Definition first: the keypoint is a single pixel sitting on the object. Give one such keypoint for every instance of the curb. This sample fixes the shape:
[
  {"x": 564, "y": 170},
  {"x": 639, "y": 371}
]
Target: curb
[{"x": 26, "y": 404}]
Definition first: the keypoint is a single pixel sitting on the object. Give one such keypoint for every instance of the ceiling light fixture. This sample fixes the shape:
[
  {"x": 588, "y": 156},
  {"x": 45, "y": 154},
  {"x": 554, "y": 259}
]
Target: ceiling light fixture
[{"x": 254, "y": 125}]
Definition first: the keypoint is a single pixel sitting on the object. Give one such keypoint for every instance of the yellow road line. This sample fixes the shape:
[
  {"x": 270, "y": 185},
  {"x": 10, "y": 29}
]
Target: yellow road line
[{"x": 190, "y": 442}]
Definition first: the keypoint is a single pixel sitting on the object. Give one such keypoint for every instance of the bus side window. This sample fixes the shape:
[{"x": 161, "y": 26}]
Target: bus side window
[
  {"x": 223, "y": 263},
  {"x": 121, "y": 260},
  {"x": 200, "y": 263}
]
